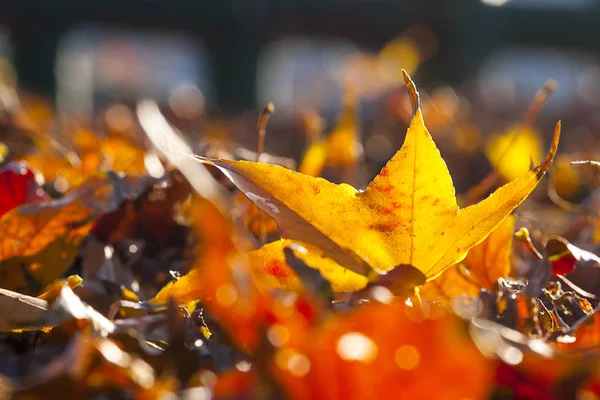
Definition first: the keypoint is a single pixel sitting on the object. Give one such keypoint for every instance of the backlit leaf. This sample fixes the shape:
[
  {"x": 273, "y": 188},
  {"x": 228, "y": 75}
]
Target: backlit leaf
[
  {"x": 407, "y": 216},
  {"x": 270, "y": 270},
  {"x": 484, "y": 264},
  {"x": 384, "y": 351}
]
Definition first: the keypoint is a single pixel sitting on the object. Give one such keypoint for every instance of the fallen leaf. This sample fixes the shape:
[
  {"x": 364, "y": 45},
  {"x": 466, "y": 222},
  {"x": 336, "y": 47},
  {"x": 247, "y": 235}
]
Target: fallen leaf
[
  {"x": 383, "y": 351},
  {"x": 407, "y": 216},
  {"x": 565, "y": 257},
  {"x": 342, "y": 147},
  {"x": 315, "y": 156},
  {"x": 481, "y": 268},
  {"x": 123, "y": 156},
  {"x": 147, "y": 212},
  {"x": 18, "y": 186},
  {"x": 270, "y": 270},
  {"x": 87, "y": 365},
  {"x": 219, "y": 277},
  {"x": 40, "y": 240},
  {"x": 110, "y": 154}
]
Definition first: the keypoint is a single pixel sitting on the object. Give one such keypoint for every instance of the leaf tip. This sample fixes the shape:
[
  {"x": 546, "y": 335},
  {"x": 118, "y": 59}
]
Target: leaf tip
[
  {"x": 545, "y": 165},
  {"x": 412, "y": 92}
]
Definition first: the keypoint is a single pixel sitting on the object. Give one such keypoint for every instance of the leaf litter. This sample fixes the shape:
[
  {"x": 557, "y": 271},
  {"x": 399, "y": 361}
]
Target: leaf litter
[{"x": 131, "y": 268}]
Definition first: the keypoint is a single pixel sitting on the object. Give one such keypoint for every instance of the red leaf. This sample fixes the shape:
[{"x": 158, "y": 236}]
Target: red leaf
[{"x": 18, "y": 186}]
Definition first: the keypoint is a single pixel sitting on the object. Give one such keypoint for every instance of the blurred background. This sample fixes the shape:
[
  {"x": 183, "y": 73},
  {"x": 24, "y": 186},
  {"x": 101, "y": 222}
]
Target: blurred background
[{"x": 213, "y": 65}]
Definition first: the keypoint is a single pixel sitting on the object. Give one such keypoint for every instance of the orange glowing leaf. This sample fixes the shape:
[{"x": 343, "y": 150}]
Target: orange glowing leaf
[
  {"x": 219, "y": 277},
  {"x": 381, "y": 351},
  {"x": 484, "y": 264},
  {"x": 123, "y": 156},
  {"x": 113, "y": 153},
  {"x": 407, "y": 216}
]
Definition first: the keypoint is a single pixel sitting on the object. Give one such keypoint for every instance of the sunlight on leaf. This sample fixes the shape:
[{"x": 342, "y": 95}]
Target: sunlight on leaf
[
  {"x": 407, "y": 216},
  {"x": 481, "y": 268},
  {"x": 270, "y": 270}
]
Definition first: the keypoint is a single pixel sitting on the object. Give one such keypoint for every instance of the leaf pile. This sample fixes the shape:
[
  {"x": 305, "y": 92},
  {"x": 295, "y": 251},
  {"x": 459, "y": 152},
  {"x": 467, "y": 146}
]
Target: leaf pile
[{"x": 138, "y": 266}]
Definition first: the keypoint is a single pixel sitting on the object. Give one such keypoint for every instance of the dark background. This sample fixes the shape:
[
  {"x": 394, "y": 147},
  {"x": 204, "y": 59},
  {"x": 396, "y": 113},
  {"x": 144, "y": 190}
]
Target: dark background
[{"x": 234, "y": 32}]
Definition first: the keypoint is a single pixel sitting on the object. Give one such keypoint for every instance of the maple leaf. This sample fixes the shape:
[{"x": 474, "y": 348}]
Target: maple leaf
[
  {"x": 408, "y": 215},
  {"x": 270, "y": 270},
  {"x": 484, "y": 264}
]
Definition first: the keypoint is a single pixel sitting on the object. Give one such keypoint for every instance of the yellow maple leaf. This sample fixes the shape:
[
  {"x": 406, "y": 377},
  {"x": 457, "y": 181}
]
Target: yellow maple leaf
[
  {"x": 270, "y": 270},
  {"x": 484, "y": 264},
  {"x": 408, "y": 215}
]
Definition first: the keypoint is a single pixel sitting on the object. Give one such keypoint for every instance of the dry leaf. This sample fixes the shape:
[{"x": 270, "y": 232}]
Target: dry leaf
[
  {"x": 219, "y": 277},
  {"x": 342, "y": 148},
  {"x": 343, "y": 145},
  {"x": 565, "y": 257},
  {"x": 18, "y": 186},
  {"x": 383, "y": 351},
  {"x": 484, "y": 264},
  {"x": 270, "y": 270},
  {"x": 40, "y": 240},
  {"x": 407, "y": 216}
]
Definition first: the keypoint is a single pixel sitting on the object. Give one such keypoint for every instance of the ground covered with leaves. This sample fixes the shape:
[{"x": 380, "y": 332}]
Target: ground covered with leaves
[{"x": 142, "y": 263}]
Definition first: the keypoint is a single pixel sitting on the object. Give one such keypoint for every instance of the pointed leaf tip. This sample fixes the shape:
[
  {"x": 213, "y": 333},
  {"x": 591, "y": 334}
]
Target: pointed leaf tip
[
  {"x": 412, "y": 92},
  {"x": 545, "y": 165}
]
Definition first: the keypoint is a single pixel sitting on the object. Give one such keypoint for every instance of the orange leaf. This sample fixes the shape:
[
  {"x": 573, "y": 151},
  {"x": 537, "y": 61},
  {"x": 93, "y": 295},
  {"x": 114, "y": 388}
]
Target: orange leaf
[
  {"x": 218, "y": 277},
  {"x": 40, "y": 240},
  {"x": 221, "y": 279},
  {"x": 384, "y": 351}
]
